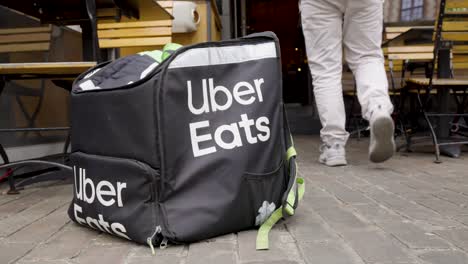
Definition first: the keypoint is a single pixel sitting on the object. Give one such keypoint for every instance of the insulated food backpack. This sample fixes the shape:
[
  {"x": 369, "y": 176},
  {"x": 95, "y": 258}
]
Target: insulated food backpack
[{"x": 186, "y": 148}]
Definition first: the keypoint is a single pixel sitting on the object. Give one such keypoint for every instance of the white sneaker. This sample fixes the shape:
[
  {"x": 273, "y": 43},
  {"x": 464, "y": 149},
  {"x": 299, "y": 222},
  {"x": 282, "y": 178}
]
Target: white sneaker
[
  {"x": 382, "y": 143},
  {"x": 333, "y": 156}
]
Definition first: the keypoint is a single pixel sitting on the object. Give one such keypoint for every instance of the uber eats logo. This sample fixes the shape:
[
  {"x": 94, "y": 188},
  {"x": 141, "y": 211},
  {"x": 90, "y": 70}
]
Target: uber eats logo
[
  {"x": 103, "y": 192},
  {"x": 215, "y": 97}
]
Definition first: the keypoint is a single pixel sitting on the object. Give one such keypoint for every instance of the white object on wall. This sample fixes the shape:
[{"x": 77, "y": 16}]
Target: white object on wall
[{"x": 186, "y": 17}]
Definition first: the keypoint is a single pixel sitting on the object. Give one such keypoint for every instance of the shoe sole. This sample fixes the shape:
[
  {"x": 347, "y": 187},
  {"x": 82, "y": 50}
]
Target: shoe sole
[
  {"x": 334, "y": 162},
  {"x": 384, "y": 144}
]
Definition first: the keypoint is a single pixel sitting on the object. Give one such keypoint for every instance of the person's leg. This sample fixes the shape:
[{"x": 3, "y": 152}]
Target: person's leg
[
  {"x": 362, "y": 39},
  {"x": 322, "y": 22}
]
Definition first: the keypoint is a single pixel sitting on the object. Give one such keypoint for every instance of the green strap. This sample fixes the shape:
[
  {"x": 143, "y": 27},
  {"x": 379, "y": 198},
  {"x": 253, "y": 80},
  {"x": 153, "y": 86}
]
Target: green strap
[
  {"x": 291, "y": 199},
  {"x": 290, "y": 153},
  {"x": 264, "y": 230}
]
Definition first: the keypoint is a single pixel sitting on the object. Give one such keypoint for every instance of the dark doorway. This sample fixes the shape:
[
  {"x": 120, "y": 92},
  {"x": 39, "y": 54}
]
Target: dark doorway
[{"x": 282, "y": 17}]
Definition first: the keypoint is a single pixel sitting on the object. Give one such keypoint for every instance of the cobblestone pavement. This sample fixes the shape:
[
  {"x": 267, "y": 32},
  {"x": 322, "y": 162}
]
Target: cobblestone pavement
[{"x": 408, "y": 210}]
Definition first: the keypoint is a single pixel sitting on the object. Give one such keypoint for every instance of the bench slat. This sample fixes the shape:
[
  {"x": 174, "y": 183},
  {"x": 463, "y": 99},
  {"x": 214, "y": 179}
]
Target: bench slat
[
  {"x": 456, "y": 4},
  {"x": 135, "y": 32},
  {"x": 455, "y": 36},
  {"x": 9, "y": 31},
  {"x": 397, "y": 29},
  {"x": 21, "y": 38},
  {"x": 132, "y": 42},
  {"x": 411, "y": 56},
  {"x": 45, "y": 68},
  {"x": 409, "y": 49},
  {"x": 39, "y": 46},
  {"x": 439, "y": 82},
  {"x": 155, "y": 23},
  {"x": 455, "y": 26}
]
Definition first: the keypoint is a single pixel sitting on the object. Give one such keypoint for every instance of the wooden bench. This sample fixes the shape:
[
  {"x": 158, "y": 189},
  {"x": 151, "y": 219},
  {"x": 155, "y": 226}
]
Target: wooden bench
[{"x": 35, "y": 39}]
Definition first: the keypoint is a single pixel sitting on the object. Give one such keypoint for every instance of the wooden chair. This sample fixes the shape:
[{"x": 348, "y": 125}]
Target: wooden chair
[
  {"x": 135, "y": 34},
  {"x": 36, "y": 39},
  {"x": 448, "y": 53},
  {"x": 130, "y": 37}
]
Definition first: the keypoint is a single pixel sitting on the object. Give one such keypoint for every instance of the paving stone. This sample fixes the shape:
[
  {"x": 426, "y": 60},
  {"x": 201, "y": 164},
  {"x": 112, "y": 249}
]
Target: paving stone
[
  {"x": 282, "y": 248},
  {"x": 65, "y": 244},
  {"x": 306, "y": 226},
  {"x": 14, "y": 223},
  {"x": 413, "y": 236},
  {"x": 164, "y": 259},
  {"x": 341, "y": 220},
  {"x": 6, "y": 198},
  {"x": 375, "y": 247},
  {"x": 108, "y": 240},
  {"x": 453, "y": 197},
  {"x": 314, "y": 191},
  {"x": 345, "y": 194},
  {"x": 410, "y": 209},
  {"x": 224, "y": 238},
  {"x": 445, "y": 257},
  {"x": 61, "y": 261},
  {"x": 22, "y": 202},
  {"x": 462, "y": 219},
  {"x": 42, "y": 229},
  {"x": 93, "y": 254},
  {"x": 145, "y": 251},
  {"x": 441, "y": 206},
  {"x": 419, "y": 185},
  {"x": 459, "y": 237},
  {"x": 212, "y": 252},
  {"x": 329, "y": 253},
  {"x": 10, "y": 252},
  {"x": 321, "y": 202},
  {"x": 376, "y": 213},
  {"x": 275, "y": 262},
  {"x": 354, "y": 182}
]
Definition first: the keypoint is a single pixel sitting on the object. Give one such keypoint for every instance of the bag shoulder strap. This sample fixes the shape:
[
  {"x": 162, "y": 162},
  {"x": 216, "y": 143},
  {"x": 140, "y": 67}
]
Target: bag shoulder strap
[{"x": 292, "y": 195}]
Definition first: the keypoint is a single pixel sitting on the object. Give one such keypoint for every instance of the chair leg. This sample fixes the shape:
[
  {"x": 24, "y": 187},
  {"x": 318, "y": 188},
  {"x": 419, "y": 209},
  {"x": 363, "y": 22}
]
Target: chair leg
[
  {"x": 431, "y": 129},
  {"x": 3, "y": 154},
  {"x": 403, "y": 119},
  {"x": 11, "y": 177},
  {"x": 65, "y": 147}
]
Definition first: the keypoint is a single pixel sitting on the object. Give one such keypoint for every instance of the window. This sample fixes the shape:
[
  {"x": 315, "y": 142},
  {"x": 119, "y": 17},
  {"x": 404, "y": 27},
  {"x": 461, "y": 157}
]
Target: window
[{"x": 412, "y": 10}]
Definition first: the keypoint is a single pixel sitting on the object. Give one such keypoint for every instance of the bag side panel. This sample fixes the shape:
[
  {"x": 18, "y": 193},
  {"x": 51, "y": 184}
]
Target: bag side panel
[{"x": 223, "y": 140}]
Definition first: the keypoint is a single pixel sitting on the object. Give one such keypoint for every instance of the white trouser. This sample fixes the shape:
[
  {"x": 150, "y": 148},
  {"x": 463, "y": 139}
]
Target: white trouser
[{"x": 327, "y": 25}]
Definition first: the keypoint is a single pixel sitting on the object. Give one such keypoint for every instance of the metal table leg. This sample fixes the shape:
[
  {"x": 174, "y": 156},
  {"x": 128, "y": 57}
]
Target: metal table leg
[{"x": 443, "y": 131}]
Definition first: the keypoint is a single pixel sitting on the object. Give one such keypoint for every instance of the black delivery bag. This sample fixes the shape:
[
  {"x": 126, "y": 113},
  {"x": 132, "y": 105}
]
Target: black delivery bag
[{"x": 186, "y": 149}]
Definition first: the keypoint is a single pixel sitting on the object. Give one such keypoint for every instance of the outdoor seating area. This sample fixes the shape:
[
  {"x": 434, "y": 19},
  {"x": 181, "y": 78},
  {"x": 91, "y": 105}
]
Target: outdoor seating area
[
  {"x": 410, "y": 209},
  {"x": 427, "y": 72}
]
